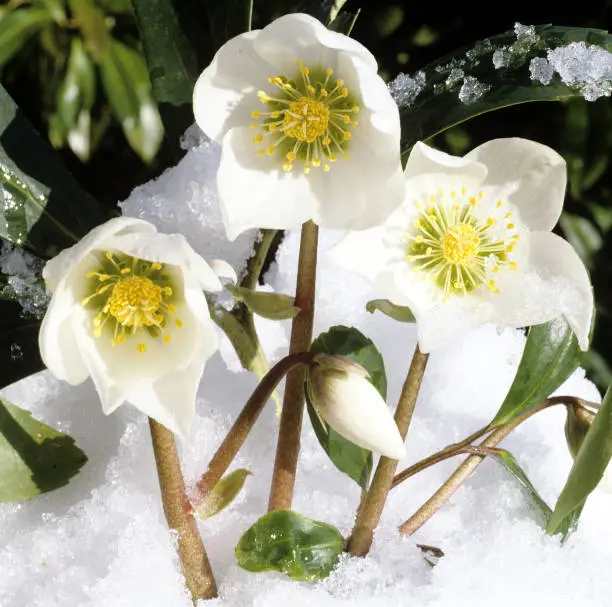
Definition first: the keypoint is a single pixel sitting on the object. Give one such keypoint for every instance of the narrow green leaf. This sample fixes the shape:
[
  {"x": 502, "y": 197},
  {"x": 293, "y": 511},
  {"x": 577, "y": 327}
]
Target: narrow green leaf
[
  {"x": 17, "y": 26},
  {"x": 288, "y": 542},
  {"x": 57, "y": 9},
  {"x": 354, "y": 461},
  {"x": 223, "y": 493},
  {"x": 550, "y": 356},
  {"x": 465, "y": 84},
  {"x": 127, "y": 86},
  {"x": 509, "y": 462},
  {"x": 91, "y": 20},
  {"x": 274, "y": 306},
  {"x": 38, "y": 196},
  {"x": 588, "y": 469},
  {"x": 34, "y": 458},
  {"x": 75, "y": 97},
  {"x": 399, "y": 313}
]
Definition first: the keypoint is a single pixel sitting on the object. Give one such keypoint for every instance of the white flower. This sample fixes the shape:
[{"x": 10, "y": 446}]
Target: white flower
[
  {"x": 128, "y": 309},
  {"x": 472, "y": 244},
  {"x": 341, "y": 394},
  {"x": 308, "y": 129}
]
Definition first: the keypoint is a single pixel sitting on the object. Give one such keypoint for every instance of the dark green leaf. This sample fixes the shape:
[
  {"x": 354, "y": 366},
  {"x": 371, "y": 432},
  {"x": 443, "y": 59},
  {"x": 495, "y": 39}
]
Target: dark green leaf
[
  {"x": 38, "y": 197},
  {"x": 550, "y": 356},
  {"x": 588, "y": 469},
  {"x": 222, "y": 494},
  {"x": 56, "y": 8},
  {"x": 228, "y": 19},
  {"x": 127, "y": 86},
  {"x": 274, "y": 306},
  {"x": 399, "y": 313},
  {"x": 171, "y": 59},
  {"x": 17, "y": 26},
  {"x": 507, "y": 459},
  {"x": 34, "y": 458},
  {"x": 285, "y": 541},
  {"x": 437, "y": 106},
  {"x": 354, "y": 461}
]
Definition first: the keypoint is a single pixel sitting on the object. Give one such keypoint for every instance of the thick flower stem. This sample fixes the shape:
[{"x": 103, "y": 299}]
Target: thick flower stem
[
  {"x": 288, "y": 446},
  {"x": 192, "y": 554},
  {"x": 246, "y": 420},
  {"x": 370, "y": 510},
  {"x": 467, "y": 468}
]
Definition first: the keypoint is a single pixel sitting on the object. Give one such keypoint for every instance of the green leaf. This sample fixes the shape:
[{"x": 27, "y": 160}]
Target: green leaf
[
  {"x": 588, "y": 469},
  {"x": 274, "y": 306},
  {"x": 223, "y": 493},
  {"x": 34, "y": 458},
  {"x": 509, "y": 462},
  {"x": 399, "y": 313},
  {"x": 437, "y": 106},
  {"x": 354, "y": 461},
  {"x": 17, "y": 27},
  {"x": 57, "y": 9},
  {"x": 91, "y": 20},
  {"x": 228, "y": 19},
  {"x": 127, "y": 86},
  {"x": 550, "y": 356},
  {"x": 288, "y": 542},
  {"x": 38, "y": 196},
  {"x": 76, "y": 96},
  {"x": 170, "y": 57}
]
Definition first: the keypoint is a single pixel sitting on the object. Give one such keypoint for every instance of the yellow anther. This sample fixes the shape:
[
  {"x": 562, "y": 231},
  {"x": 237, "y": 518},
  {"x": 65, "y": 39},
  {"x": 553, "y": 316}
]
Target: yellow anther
[
  {"x": 167, "y": 338},
  {"x": 326, "y": 168},
  {"x": 492, "y": 286},
  {"x": 125, "y": 270},
  {"x": 511, "y": 226},
  {"x": 344, "y": 92},
  {"x": 178, "y": 322},
  {"x": 316, "y": 162},
  {"x": 108, "y": 255},
  {"x": 270, "y": 150},
  {"x": 287, "y": 166},
  {"x": 103, "y": 277},
  {"x": 142, "y": 348},
  {"x": 291, "y": 156},
  {"x": 167, "y": 291},
  {"x": 121, "y": 339},
  {"x": 171, "y": 309},
  {"x": 311, "y": 89},
  {"x": 514, "y": 265},
  {"x": 258, "y": 138},
  {"x": 495, "y": 269},
  {"x": 453, "y": 194},
  {"x": 275, "y": 115},
  {"x": 261, "y": 152},
  {"x": 255, "y": 114},
  {"x": 156, "y": 266},
  {"x": 473, "y": 200},
  {"x": 306, "y": 169},
  {"x": 499, "y": 203},
  {"x": 97, "y": 332},
  {"x": 491, "y": 221},
  {"x": 329, "y": 72}
]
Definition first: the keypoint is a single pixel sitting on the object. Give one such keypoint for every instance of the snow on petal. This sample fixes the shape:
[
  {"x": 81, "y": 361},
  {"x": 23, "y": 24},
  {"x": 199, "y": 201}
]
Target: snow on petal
[
  {"x": 129, "y": 311},
  {"x": 303, "y": 122}
]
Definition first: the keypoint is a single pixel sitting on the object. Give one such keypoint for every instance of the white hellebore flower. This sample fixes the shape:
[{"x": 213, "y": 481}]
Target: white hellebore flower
[
  {"x": 128, "y": 309},
  {"x": 341, "y": 394},
  {"x": 308, "y": 129},
  {"x": 472, "y": 244}
]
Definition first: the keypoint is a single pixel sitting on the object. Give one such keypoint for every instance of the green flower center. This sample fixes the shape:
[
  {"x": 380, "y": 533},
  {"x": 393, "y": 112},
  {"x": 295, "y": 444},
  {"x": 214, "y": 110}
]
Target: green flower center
[
  {"x": 308, "y": 119},
  {"x": 131, "y": 296},
  {"x": 458, "y": 246}
]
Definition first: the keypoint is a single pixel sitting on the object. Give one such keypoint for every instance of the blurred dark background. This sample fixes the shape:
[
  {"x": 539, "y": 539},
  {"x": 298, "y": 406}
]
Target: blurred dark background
[{"x": 43, "y": 69}]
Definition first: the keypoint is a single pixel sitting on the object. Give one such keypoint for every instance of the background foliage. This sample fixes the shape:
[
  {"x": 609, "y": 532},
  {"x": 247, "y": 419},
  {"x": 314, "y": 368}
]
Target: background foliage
[{"x": 76, "y": 69}]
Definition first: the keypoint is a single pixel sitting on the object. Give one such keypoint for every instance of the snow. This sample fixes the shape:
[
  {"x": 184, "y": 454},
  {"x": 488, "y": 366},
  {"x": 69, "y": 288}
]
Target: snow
[
  {"x": 102, "y": 540},
  {"x": 405, "y": 89}
]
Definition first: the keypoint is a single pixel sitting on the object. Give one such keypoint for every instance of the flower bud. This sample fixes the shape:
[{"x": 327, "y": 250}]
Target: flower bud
[
  {"x": 577, "y": 424},
  {"x": 342, "y": 395}
]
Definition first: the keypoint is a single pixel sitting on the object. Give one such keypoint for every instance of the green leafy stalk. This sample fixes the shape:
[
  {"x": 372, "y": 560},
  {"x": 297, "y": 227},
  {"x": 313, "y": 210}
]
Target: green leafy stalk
[
  {"x": 370, "y": 510},
  {"x": 288, "y": 446}
]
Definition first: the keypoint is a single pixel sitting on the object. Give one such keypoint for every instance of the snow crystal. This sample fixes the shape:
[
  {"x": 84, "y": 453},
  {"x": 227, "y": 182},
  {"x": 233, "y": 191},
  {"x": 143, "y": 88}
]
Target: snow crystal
[
  {"x": 184, "y": 200},
  {"x": 455, "y": 76},
  {"x": 102, "y": 541},
  {"x": 587, "y": 68},
  {"x": 405, "y": 89},
  {"x": 472, "y": 90},
  {"x": 509, "y": 56},
  {"x": 24, "y": 279},
  {"x": 541, "y": 70}
]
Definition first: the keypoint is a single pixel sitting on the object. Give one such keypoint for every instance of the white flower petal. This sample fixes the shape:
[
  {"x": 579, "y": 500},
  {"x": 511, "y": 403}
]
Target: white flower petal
[
  {"x": 555, "y": 283},
  {"x": 56, "y": 268},
  {"x": 225, "y": 94},
  {"x": 254, "y": 192},
  {"x": 58, "y": 347},
  {"x": 170, "y": 249},
  {"x": 301, "y": 37},
  {"x": 223, "y": 269},
  {"x": 535, "y": 172},
  {"x": 353, "y": 407},
  {"x": 426, "y": 161},
  {"x": 171, "y": 399}
]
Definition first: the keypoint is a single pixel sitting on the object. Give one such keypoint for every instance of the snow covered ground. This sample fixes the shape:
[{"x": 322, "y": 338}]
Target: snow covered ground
[{"x": 102, "y": 540}]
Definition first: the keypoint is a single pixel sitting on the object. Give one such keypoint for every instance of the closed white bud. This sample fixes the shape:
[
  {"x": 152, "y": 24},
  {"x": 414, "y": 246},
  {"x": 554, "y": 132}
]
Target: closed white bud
[{"x": 342, "y": 395}]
